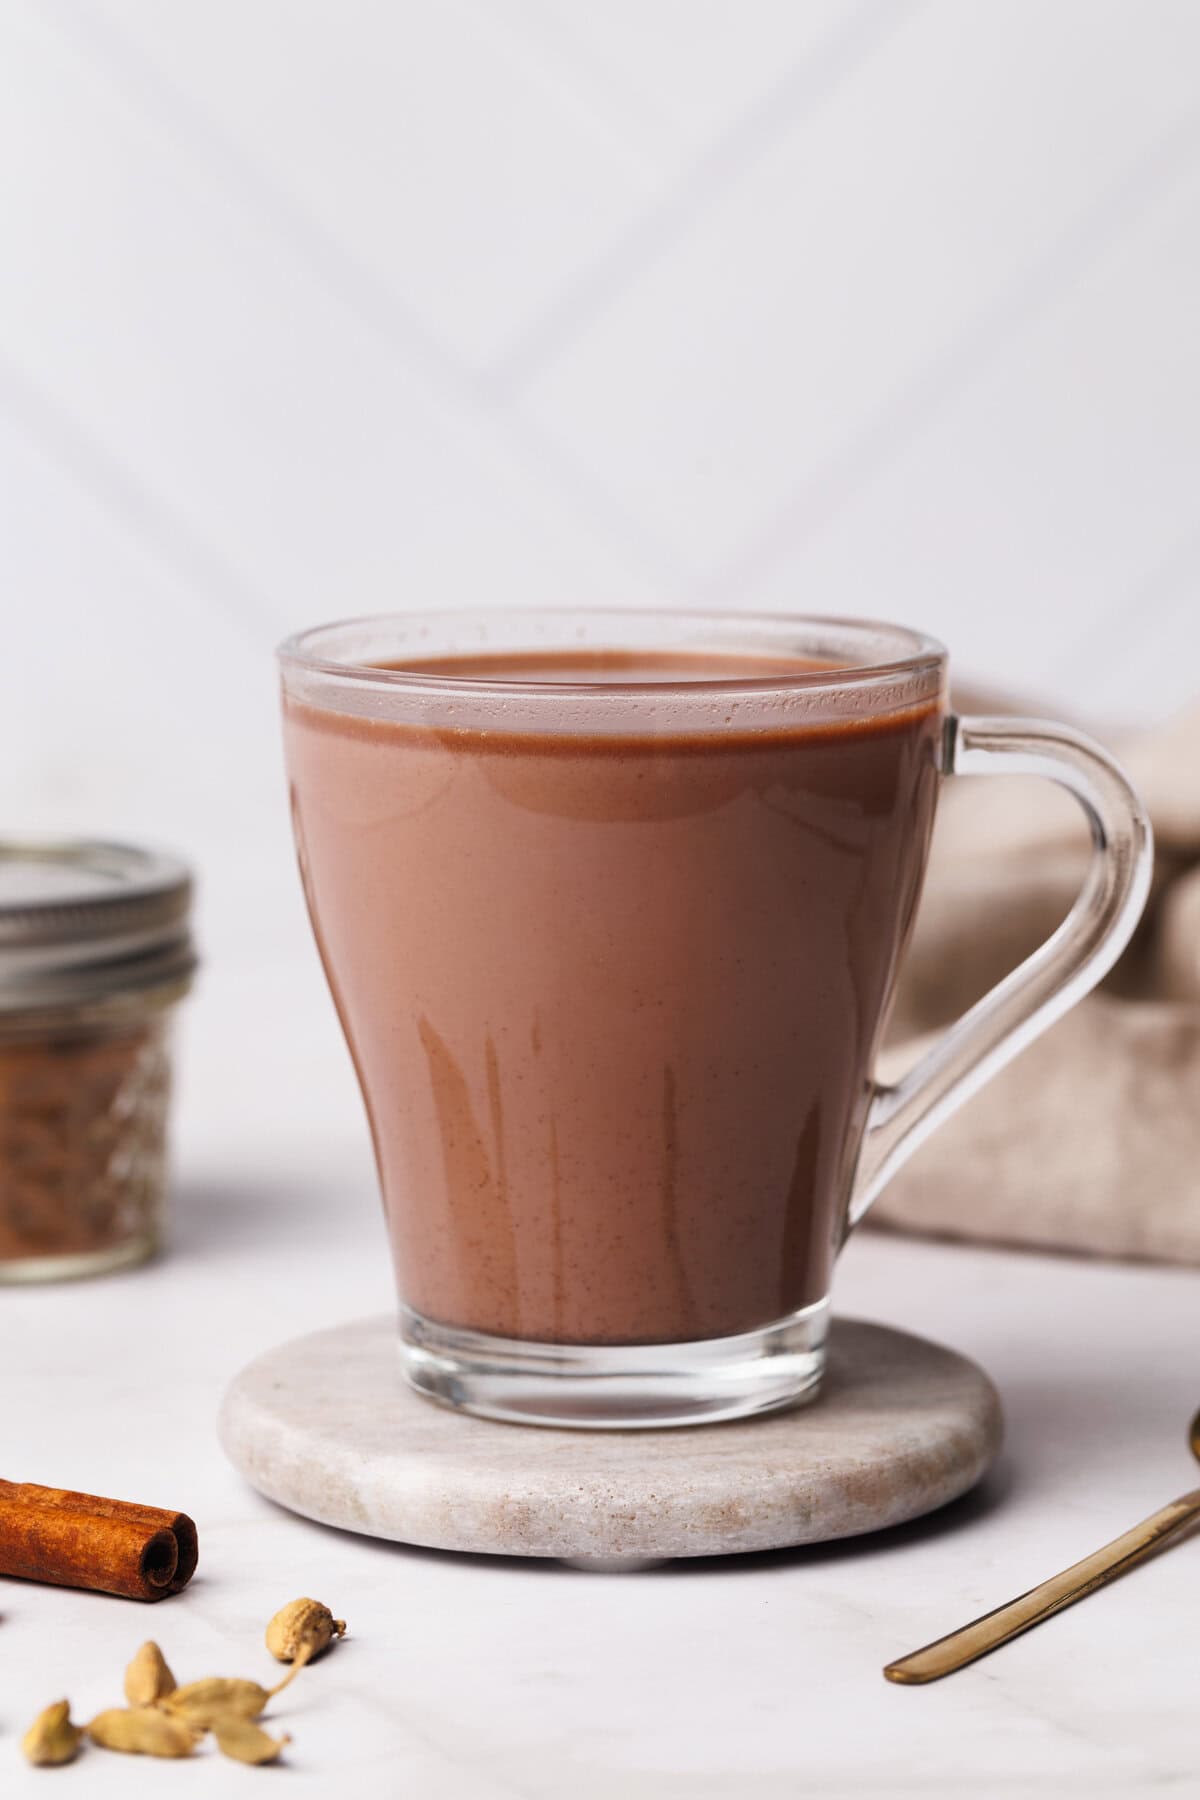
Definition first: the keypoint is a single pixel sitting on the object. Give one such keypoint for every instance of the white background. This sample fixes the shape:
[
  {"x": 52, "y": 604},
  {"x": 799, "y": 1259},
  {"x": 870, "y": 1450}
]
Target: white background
[
  {"x": 316, "y": 307},
  {"x": 313, "y": 308},
  {"x": 324, "y": 306}
]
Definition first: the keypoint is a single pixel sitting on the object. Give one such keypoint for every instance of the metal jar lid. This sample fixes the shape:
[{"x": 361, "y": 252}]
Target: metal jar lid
[{"x": 83, "y": 921}]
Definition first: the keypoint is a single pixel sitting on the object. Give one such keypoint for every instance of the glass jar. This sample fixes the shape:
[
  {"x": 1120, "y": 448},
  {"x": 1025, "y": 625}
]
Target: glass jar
[{"x": 95, "y": 952}]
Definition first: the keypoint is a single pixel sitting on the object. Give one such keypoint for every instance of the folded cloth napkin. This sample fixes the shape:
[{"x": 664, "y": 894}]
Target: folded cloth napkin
[{"x": 1090, "y": 1140}]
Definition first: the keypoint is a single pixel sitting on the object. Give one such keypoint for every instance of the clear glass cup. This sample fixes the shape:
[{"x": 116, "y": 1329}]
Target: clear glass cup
[{"x": 613, "y": 945}]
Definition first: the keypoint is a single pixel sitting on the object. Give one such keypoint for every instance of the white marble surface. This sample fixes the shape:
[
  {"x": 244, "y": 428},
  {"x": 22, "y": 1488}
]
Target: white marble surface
[{"x": 472, "y": 1679}]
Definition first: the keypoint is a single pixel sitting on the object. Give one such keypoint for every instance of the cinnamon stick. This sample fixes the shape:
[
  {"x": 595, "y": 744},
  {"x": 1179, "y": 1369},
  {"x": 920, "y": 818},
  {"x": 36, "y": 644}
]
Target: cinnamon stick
[{"x": 84, "y": 1541}]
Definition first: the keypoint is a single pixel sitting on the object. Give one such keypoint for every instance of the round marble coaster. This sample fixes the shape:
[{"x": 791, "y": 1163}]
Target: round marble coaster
[{"x": 328, "y": 1426}]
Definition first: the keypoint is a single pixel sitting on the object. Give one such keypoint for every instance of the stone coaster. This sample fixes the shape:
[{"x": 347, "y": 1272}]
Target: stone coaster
[{"x": 328, "y": 1426}]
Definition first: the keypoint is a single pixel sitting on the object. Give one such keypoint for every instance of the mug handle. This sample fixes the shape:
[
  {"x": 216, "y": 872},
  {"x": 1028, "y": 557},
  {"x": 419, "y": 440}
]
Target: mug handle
[{"x": 1048, "y": 983}]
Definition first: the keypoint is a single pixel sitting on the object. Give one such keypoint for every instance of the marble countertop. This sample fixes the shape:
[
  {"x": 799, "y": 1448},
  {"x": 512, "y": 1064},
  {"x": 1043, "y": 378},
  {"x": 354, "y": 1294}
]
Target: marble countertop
[{"x": 488, "y": 1679}]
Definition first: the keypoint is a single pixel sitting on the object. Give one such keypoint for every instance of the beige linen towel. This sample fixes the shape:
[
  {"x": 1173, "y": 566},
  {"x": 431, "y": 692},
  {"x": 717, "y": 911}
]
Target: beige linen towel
[{"x": 1090, "y": 1140}]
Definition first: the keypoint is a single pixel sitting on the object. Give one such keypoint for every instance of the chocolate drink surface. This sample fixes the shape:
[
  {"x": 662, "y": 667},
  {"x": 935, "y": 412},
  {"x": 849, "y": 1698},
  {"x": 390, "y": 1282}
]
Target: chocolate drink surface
[{"x": 614, "y": 998}]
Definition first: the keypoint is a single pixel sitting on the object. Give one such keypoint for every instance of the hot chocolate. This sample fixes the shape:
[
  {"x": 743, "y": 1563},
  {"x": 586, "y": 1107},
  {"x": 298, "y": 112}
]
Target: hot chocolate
[{"x": 614, "y": 997}]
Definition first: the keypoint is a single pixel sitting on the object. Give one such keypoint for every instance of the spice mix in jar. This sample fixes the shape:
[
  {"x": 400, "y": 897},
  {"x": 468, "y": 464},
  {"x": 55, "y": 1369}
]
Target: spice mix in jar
[{"x": 95, "y": 952}]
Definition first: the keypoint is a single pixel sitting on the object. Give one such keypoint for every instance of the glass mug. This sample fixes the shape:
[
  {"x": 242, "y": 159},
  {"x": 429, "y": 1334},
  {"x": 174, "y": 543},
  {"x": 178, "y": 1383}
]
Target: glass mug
[{"x": 612, "y": 906}]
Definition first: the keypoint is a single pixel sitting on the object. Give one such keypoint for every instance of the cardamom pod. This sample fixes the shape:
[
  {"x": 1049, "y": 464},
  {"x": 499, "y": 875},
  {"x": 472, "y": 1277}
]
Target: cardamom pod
[
  {"x": 52, "y": 1738},
  {"x": 143, "y": 1731},
  {"x": 201, "y": 1702},
  {"x": 245, "y": 1741},
  {"x": 301, "y": 1630},
  {"x": 148, "y": 1678}
]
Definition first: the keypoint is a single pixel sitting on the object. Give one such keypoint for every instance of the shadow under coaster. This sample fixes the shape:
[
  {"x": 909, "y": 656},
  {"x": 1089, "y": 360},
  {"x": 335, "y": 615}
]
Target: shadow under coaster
[{"x": 328, "y": 1426}]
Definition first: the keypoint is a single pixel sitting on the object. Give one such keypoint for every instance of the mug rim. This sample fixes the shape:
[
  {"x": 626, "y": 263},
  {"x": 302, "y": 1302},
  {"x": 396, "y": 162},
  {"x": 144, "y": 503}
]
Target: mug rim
[{"x": 915, "y": 652}]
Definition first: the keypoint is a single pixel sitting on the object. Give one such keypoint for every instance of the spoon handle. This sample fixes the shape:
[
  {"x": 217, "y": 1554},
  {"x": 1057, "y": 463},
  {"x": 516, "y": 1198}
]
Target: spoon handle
[{"x": 961, "y": 1647}]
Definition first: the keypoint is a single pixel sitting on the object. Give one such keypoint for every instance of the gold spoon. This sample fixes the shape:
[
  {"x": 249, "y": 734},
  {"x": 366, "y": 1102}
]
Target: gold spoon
[{"x": 961, "y": 1647}]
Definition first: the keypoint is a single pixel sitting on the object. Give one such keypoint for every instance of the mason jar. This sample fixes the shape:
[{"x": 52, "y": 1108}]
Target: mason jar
[{"x": 95, "y": 954}]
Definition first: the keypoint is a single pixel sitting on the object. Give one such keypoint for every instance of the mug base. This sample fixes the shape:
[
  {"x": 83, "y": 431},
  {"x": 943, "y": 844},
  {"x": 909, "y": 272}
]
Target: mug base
[{"x": 617, "y": 1387}]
